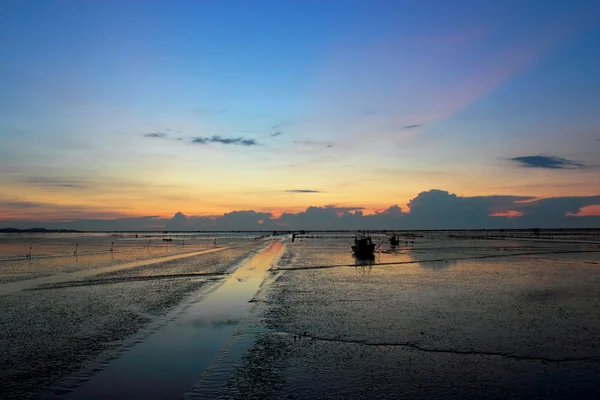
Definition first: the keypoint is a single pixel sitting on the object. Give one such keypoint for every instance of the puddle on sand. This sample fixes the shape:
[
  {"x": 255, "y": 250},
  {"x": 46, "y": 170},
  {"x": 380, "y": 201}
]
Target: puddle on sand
[{"x": 172, "y": 360}]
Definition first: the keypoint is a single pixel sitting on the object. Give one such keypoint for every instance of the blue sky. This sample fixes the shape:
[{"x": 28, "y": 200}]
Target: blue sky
[{"x": 392, "y": 97}]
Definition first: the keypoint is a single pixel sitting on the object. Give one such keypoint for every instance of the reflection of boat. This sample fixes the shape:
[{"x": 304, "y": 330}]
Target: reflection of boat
[
  {"x": 365, "y": 262},
  {"x": 363, "y": 246},
  {"x": 394, "y": 240}
]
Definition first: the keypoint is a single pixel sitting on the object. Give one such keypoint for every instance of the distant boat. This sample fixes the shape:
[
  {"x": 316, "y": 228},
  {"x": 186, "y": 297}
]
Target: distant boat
[
  {"x": 363, "y": 246},
  {"x": 394, "y": 240}
]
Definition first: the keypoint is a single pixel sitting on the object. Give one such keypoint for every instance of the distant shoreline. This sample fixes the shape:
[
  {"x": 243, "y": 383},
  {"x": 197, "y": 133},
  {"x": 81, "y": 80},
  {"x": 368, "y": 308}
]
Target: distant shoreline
[
  {"x": 38, "y": 230},
  {"x": 297, "y": 231}
]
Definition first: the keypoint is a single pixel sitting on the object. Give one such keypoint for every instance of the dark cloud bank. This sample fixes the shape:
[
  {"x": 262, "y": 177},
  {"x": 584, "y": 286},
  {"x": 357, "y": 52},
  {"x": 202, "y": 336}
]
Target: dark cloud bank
[
  {"x": 434, "y": 209},
  {"x": 548, "y": 162}
]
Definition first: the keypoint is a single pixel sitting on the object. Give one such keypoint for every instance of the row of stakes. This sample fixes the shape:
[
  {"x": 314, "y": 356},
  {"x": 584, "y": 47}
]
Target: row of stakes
[{"x": 112, "y": 244}]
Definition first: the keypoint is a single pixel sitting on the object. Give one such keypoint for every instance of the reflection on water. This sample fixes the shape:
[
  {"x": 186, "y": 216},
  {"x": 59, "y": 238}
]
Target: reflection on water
[
  {"x": 364, "y": 269},
  {"x": 361, "y": 262},
  {"x": 17, "y": 246},
  {"x": 20, "y": 285},
  {"x": 425, "y": 259},
  {"x": 172, "y": 360}
]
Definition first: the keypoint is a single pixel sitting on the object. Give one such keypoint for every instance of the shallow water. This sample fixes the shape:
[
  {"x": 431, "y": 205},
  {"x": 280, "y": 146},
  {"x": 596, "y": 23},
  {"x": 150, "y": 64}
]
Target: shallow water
[
  {"x": 57, "y": 255},
  {"x": 170, "y": 361},
  {"x": 68, "y": 277}
]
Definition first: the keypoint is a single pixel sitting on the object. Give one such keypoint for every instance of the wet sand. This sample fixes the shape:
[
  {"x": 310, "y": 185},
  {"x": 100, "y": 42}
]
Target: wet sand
[
  {"x": 478, "y": 320},
  {"x": 57, "y": 325},
  {"x": 275, "y": 319},
  {"x": 55, "y": 253}
]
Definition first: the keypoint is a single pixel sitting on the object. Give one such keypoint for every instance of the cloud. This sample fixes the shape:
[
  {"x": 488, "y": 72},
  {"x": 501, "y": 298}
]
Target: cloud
[
  {"x": 224, "y": 140},
  {"x": 393, "y": 210},
  {"x": 439, "y": 209},
  {"x": 19, "y": 204},
  {"x": 412, "y": 126},
  {"x": 164, "y": 135},
  {"x": 33, "y": 214},
  {"x": 433, "y": 209},
  {"x": 156, "y": 135},
  {"x": 313, "y": 143},
  {"x": 303, "y": 191},
  {"x": 54, "y": 182},
  {"x": 275, "y": 134},
  {"x": 338, "y": 209},
  {"x": 235, "y": 220},
  {"x": 323, "y": 218},
  {"x": 548, "y": 162},
  {"x": 177, "y": 223},
  {"x": 552, "y": 211}
]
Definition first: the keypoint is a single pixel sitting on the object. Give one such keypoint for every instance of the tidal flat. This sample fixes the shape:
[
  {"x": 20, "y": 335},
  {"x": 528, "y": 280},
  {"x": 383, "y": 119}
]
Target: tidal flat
[
  {"x": 439, "y": 316},
  {"x": 453, "y": 319}
]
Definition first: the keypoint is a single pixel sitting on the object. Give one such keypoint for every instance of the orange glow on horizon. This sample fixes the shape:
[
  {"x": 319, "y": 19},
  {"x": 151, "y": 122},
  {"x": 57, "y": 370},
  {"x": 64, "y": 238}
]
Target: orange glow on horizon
[
  {"x": 509, "y": 214},
  {"x": 587, "y": 211}
]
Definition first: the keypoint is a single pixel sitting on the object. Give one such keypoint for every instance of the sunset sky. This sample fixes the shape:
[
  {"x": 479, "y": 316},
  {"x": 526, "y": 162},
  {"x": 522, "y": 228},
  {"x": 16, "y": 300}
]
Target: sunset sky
[{"x": 113, "y": 109}]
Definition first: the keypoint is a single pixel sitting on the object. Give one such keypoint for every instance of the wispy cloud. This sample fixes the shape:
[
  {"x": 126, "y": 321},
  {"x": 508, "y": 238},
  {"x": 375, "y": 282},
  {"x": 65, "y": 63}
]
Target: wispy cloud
[
  {"x": 167, "y": 134},
  {"x": 156, "y": 135},
  {"x": 12, "y": 209},
  {"x": 412, "y": 126},
  {"x": 313, "y": 143},
  {"x": 547, "y": 162},
  {"x": 303, "y": 191},
  {"x": 55, "y": 182},
  {"x": 224, "y": 140},
  {"x": 20, "y": 204}
]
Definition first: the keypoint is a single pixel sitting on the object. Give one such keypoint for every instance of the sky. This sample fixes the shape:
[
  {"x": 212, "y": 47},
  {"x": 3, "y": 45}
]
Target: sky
[{"x": 133, "y": 111}]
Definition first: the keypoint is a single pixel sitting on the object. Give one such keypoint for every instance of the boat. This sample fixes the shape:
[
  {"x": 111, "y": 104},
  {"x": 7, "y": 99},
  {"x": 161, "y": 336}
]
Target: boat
[
  {"x": 363, "y": 246},
  {"x": 394, "y": 240}
]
